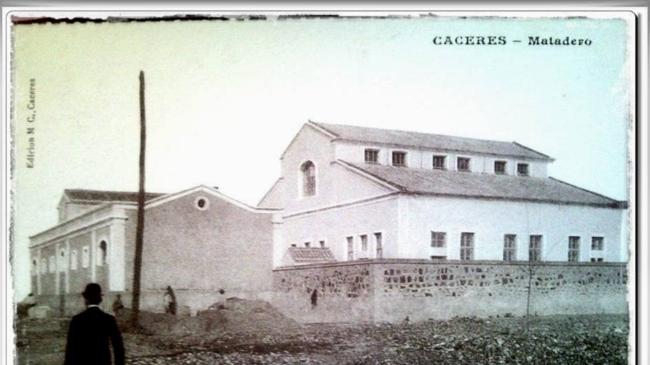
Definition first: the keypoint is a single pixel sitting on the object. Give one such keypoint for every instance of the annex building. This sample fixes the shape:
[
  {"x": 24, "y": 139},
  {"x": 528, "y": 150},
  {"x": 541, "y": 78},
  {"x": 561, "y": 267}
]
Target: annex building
[{"x": 362, "y": 224}]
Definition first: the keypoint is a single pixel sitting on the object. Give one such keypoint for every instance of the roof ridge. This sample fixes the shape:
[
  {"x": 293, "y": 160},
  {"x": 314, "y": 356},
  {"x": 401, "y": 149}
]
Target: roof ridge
[
  {"x": 321, "y": 125},
  {"x": 108, "y": 191},
  {"x": 324, "y": 126},
  {"x": 428, "y": 140}
]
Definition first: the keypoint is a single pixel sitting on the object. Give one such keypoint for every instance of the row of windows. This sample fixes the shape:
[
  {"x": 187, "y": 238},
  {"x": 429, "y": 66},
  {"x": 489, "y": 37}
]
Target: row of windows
[
  {"x": 321, "y": 244},
  {"x": 50, "y": 265},
  {"x": 439, "y": 240},
  {"x": 363, "y": 245},
  {"x": 398, "y": 158}
]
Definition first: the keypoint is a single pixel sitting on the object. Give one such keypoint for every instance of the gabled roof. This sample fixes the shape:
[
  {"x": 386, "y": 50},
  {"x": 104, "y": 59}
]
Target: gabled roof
[
  {"x": 101, "y": 196},
  {"x": 488, "y": 186},
  {"x": 406, "y": 139},
  {"x": 163, "y": 199},
  {"x": 310, "y": 255}
]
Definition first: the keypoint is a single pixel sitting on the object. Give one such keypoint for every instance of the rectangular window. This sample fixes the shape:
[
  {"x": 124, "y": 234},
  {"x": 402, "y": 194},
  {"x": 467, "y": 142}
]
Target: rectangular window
[
  {"x": 435, "y": 257},
  {"x": 597, "y": 243},
  {"x": 510, "y": 247},
  {"x": 307, "y": 244},
  {"x": 594, "y": 259},
  {"x": 371, "y": 155},
  {"x": 535, "y": 248},
  {"x": 350, "y": 248},
  {"x": 499, "y": 167},
  {"x": 379, "y": 245},
  {"x": 43, "y": 265},
  {"x": 74, "y": 262},
  {"x": 438, "y": 239},
  {"x": 522, "y": 169},
  {"x": 439, "y": 162},
  {"x": 52, "y": 264},
  {"x": 467, "y": 246},
  {"x": 574, "y": 249},
  {"x": 462, "y": 164},
  {"x": 364, "y": 242},
  {"x": 399, "y": 158},
  {"x": 321, "y": 243},
  {"x": 85, "y": 257}
]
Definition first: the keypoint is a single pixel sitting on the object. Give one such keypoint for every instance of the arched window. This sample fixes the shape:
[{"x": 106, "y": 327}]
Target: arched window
[
  {"x": 103, "y": 250},
  {"x": 308, "y": 171},
  {"x": 73, "y": 260},
  {"x": 62, "y": 260}
]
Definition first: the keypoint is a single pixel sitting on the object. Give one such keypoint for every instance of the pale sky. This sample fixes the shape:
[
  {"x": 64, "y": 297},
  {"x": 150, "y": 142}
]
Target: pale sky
[{"x": 225, "y": 98}]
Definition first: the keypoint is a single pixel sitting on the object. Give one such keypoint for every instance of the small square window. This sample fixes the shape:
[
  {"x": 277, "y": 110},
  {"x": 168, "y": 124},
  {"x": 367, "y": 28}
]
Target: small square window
[
  {"x": 499, "y": 167},
  {"x": 371, "y": 155},
  {"x": 438, "y": 239},
  {"x": 597, "y": 243},
  {"x": 439, "y": 162},
  {"x": 399, "y": 158},
  {"x": 462, "y": 164},
  {"x": 522, "y": 169}
]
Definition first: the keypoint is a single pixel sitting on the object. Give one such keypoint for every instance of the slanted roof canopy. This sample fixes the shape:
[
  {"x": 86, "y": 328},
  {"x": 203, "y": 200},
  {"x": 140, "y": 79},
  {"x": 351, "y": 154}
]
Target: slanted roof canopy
[
  {"x": 310, "y": 255},
  {"x": 489, "y": 186}
]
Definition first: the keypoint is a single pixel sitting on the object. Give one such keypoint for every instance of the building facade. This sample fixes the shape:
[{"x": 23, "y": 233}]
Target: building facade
[
  {"x": 396, "y": 210},
  {"x": 193, "y": 242},
  {"x": 369, "y": 193}
]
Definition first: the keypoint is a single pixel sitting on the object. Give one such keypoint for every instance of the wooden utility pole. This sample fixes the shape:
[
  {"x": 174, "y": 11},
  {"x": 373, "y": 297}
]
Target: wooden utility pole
[{"x": 137, "y": 262}]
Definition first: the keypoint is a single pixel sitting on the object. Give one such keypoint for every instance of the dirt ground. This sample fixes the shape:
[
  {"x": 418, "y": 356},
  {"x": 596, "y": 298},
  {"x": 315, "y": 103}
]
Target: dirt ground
[{"x": 240, "y": 332}]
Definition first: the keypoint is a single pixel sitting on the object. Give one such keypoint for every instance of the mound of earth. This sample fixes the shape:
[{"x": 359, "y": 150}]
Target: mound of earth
[{"x": 231, "y": 315}]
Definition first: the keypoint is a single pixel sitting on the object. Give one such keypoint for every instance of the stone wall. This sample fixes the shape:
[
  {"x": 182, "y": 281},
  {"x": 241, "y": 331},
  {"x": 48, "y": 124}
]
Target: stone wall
[
  {"x": 344, "y": 292},
  {"x": 391, "y": 290}
]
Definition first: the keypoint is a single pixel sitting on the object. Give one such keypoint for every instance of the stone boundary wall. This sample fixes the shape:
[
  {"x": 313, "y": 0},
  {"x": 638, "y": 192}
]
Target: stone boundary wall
[{"x": 391, "y": 290}]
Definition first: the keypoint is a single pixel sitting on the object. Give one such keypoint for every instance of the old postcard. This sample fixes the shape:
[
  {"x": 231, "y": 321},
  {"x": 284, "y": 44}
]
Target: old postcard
[{"x": 323, "y": 188}]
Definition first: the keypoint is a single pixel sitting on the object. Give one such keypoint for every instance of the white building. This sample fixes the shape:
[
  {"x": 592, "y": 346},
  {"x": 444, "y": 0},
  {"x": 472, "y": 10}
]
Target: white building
[
  {"x": 367, "y": 193},
  {"x": 346, "y": 194}
]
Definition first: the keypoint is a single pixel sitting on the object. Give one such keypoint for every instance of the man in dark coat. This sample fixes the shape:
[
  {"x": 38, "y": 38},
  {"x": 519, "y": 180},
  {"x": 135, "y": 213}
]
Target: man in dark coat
[{"x": 90, "y": 332}]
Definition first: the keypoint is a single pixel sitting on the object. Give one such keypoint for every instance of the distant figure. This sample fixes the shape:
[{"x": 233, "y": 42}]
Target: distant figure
[
  {"x": 117, "y": 305},
  {"x": 170, "y": 301},
  {"x": 407, "y": 320},
  {"x": 90, "y": 332},
  {"x": 314, "y": 298},
  {"x": 23, "y": 307}
]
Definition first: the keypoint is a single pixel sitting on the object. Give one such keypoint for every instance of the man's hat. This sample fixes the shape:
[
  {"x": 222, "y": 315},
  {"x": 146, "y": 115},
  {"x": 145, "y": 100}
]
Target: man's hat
[{"x": 92, "y": 291}]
